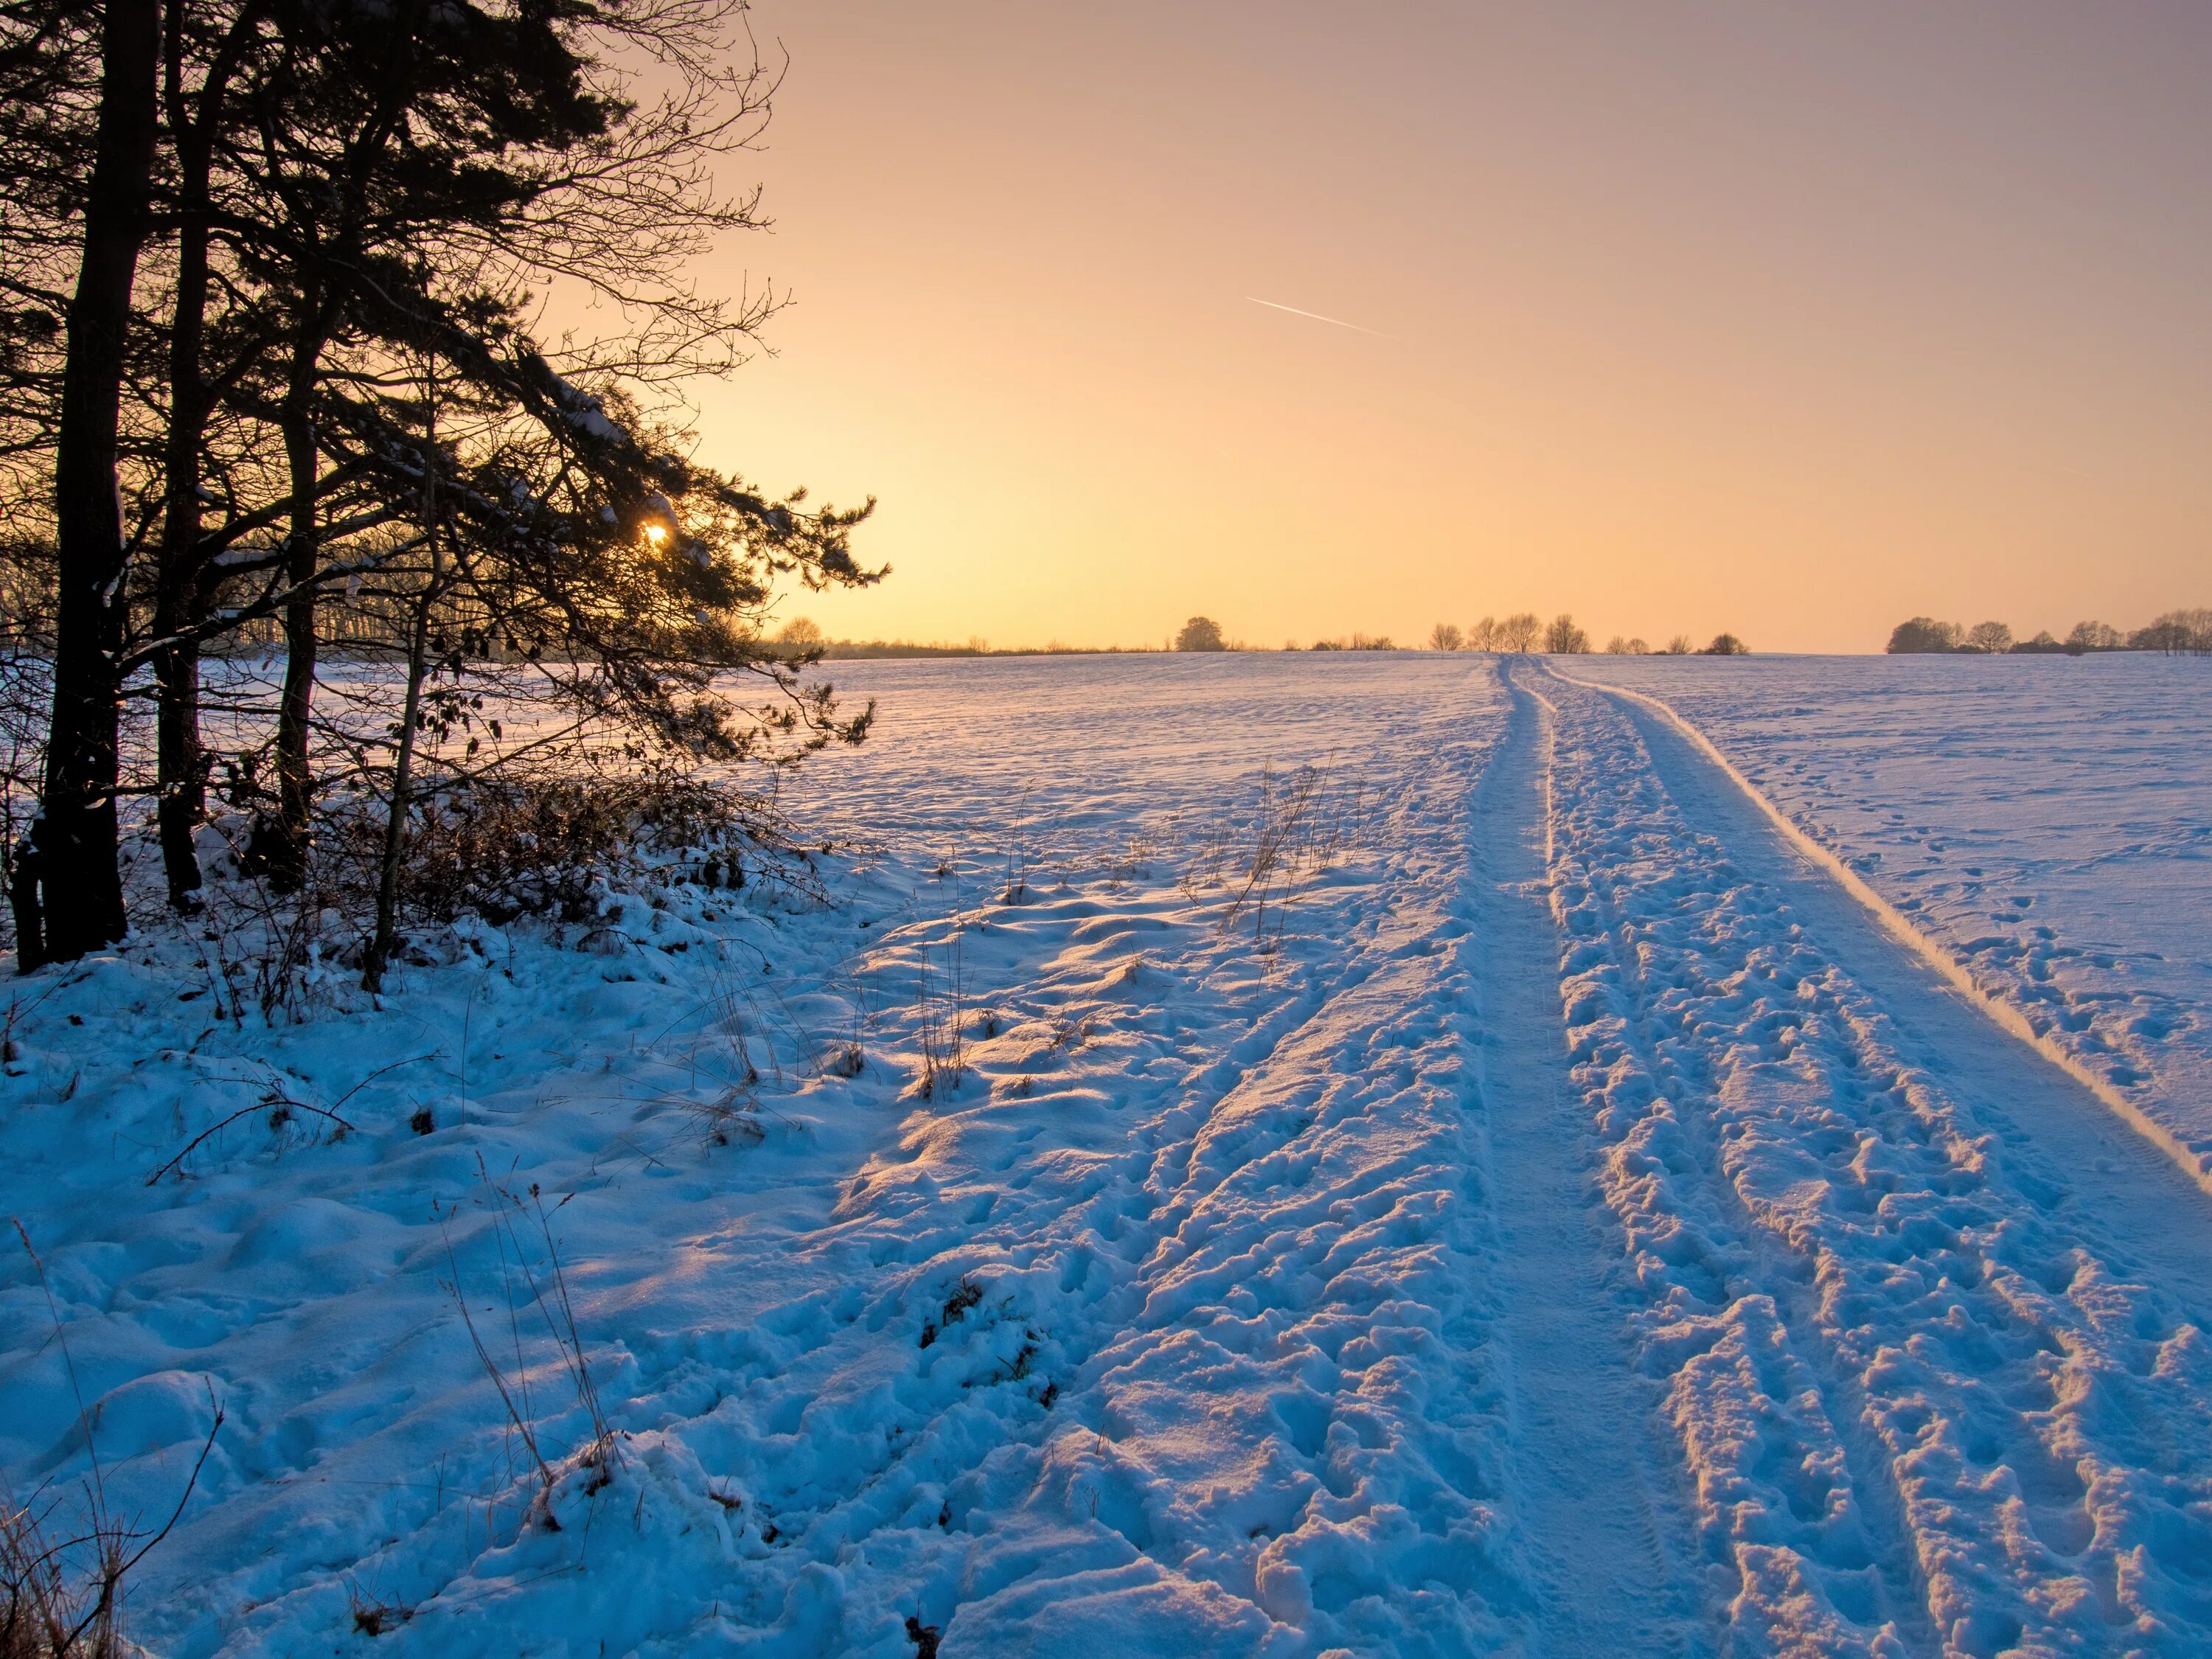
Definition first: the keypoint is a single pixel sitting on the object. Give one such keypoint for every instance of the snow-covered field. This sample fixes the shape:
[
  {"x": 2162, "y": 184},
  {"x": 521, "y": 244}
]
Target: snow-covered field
[
  {"x": 1491, "y": 1194},
  {"x": 2049, "y": 819}
]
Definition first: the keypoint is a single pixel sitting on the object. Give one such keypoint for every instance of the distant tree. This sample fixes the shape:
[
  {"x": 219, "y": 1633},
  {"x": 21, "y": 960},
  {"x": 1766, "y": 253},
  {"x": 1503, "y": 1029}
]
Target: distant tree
[
  {"x": 1990, "y": 636},
  {"x": 1726, "y": 645},
  {"x": 1326, "y": 645},
  {"x": 2042, "y": 642},
  {"x": 2176, "y": 632},
  {"x": 801, "y": 636},
  {"x": 1925, "y": 634},
  {"x": 1200, "y": 634},
  {"x": 1563, "y": 638},
  {"x": 1372, "y": 642},
  {"x": 1679, "y": 646},
  {"x": 2093, "y": 636},
  {"x": 1483, "y": 637},
  {"x": 1446, "y": 636},
  {"x": 1636, "y": 647},
  {"x": 1520, "y": 631}
]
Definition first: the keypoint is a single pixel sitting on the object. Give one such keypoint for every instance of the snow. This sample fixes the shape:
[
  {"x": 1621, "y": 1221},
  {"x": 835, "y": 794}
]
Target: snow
[
  {"x": 2019, "y": 810},
  {"x": 1554, "y": 1216}
]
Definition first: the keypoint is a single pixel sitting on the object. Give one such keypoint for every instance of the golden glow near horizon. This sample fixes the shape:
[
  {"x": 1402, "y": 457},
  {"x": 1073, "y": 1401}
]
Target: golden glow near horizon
[{"x": 1794, "y": 321}]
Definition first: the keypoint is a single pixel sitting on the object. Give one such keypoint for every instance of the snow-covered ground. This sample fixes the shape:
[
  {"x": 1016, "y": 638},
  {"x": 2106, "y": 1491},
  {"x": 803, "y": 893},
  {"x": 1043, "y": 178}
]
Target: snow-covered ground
[
  {"x": 2048, "y": 819},
  {"x": 1488, "y": 1194}
]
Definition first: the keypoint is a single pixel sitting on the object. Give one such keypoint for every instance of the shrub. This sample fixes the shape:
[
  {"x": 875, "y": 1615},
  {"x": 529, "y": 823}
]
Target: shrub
[{"x": 530, "y": 844}]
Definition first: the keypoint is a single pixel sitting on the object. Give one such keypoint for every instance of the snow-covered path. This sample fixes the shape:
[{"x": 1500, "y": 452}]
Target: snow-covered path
[
  {"x": 1607, "y": 1536},
  {"x": 1561, "y": 1221},
  {"x": 1929, "y": 1317}
]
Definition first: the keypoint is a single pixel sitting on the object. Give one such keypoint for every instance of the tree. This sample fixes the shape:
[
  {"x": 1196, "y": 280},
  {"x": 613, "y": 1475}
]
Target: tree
[
  {"x": 1726, "y": 645},
  {"x": 1446, "y": 636},
  {"x": 1990, "y": 636},
  {"x": 1520, "y": 632},
  {"x": 2178, "y": 633},
  {"x": 1679, "y": 646},
  {"x": 1200, "y": 634},
  {"x": 73, "y": 838},
  {"x": 1564, "y": 638},
  {"x": 1923, "y": 635},
  {"x": 1483, "y": 637},
  {"x": 2093, "y": 636},
  {"x": 332, "y": 203}
]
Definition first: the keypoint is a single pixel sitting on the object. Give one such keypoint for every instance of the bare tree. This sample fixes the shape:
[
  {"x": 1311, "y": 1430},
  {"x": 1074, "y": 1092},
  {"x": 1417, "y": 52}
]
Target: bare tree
[
  {"x": 1564, "y": 638},
  {"x": 2095, "y": 636},
  {"x": 1446, "y": 636},
  {"x": 1483, "y": 637},
  {"x": 1520, "y": 632},
  {"x": 1679, "y": 646},
  {"x": 1992, "y": 637},
  {"x": 2178, "y": 633}
]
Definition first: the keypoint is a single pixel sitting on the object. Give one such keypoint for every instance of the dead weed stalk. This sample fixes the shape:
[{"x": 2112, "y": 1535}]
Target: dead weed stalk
[
  {"x": 62, "y": 1579},
  {"x": 544, "y": 1287}
]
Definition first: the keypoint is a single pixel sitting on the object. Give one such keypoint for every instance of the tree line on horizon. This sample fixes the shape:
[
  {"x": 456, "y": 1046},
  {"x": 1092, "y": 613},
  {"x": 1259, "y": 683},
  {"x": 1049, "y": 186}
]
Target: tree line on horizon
[
  {"x": 2178, "y": 633},
  {"x": 1521, "y": 633},
  {"x": 1525, "y": 632},
  {"x": 274, "y": 277}
]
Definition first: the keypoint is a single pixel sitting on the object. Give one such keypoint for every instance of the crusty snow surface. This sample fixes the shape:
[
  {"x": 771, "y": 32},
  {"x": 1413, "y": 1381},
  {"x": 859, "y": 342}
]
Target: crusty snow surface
[{"x": 1559, "y": 1219}]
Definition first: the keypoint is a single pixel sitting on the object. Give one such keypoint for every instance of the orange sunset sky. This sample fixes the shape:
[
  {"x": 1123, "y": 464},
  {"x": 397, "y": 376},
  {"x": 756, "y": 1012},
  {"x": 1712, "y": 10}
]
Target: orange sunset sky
[{"x": 1795, "y": 319}]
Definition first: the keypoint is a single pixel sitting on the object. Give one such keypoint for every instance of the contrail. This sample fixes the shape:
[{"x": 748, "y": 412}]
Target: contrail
[{"x": 1337, "y": 321}]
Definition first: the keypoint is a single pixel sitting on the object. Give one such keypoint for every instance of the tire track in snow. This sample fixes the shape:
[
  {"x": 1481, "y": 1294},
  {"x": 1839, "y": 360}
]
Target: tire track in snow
[
  {"x": 2007, "y": 1014},
  {"x": 1601, "y": 1524},
  {"x": 1960, "y": 1219},
  {"x": 1799, "y": 1507},
  {"x": 1788, "y": 1514}
]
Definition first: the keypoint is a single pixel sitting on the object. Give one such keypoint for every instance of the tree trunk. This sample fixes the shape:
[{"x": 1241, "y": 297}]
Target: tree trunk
[
  {"x": 402, "y": 764},
  {"x": 179, "y": 771},
  {"x": 182, "y": 592},
  {"x": 287, "y": 852},
  {"x": 81, "y": 888}
]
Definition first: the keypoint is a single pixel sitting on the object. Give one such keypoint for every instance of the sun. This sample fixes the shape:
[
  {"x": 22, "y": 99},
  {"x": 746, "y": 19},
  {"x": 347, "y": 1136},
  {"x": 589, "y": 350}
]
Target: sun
[{"x": 656, "y": 533}]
